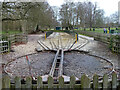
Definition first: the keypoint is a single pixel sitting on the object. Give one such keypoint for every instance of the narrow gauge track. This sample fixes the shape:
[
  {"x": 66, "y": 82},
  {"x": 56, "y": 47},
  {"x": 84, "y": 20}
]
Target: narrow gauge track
[{"x": 57, "y": 65}]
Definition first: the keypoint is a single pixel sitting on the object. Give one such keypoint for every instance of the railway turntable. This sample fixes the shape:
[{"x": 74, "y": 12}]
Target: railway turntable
[{"x": 59, "y": 55}]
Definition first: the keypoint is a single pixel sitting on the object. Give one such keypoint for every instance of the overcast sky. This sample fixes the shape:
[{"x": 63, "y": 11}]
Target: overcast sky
[{"x": 109, "y": 6}]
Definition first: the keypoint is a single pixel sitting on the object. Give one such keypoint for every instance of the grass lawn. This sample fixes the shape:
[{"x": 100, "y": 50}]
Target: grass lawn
[
  {"x": 99, "y": 30},
  {"x": 10, "y": 32}
]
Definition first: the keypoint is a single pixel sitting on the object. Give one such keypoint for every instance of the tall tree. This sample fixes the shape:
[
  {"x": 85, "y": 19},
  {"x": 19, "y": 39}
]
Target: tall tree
[{"x": 29, "y": 14}]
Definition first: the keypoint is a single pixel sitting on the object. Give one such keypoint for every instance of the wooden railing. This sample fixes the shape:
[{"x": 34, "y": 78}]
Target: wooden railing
[
  {"x": 113, "y": 41},
  {"x": 12, "y": 40},
  {"x": 85, "y": 82},
  {"x": 97, "y": 36}
]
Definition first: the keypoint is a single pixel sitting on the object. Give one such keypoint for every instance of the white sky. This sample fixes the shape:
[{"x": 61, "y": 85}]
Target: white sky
[{"x": 109, "y": 6}]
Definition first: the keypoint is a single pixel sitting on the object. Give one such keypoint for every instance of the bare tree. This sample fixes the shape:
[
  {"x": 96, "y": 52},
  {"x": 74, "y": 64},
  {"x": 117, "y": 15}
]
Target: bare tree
[
  {"x": 81, "y": 14},
  {"x": 28, "y": 14}
]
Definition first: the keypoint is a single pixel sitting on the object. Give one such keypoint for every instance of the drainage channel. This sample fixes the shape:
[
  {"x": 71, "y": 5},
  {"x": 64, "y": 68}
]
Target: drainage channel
[{"x": 57, "y": 66}]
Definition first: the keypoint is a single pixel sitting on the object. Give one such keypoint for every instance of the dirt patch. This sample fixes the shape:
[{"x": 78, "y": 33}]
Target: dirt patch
[{"x": 77, "y": 64}]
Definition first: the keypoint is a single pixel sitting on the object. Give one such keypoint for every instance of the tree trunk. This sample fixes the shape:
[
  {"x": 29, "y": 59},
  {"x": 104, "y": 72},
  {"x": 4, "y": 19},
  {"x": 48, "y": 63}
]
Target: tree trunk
[{"x": 23, "y": 26}]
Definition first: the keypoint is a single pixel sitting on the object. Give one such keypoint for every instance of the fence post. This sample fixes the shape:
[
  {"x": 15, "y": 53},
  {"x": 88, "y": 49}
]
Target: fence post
[
  {"x": 6, "y": 82},
  {"x": 26, "y": 38},
  {"x": 28, "y": 83},
  {"x": 15, "y": 39},
  {"x": 114, "y": 80},
  {"x": 45, "y": 35},
  {"x": 95, "y": 82},
  {"x": 85, "y": 82},
  {"x": 17, "y": 82},
  {"x": 39, "y": 82},
  {"x": 72, "y": 82},
  {"x": 20, "y": 38},
  {"x": 105, "y": 81},
  {"x": 0, "y": 83},
  {"x": 50, "y": 82},
  {"x": 61, "y": 82},
  {"x": 14, "y": 36}
]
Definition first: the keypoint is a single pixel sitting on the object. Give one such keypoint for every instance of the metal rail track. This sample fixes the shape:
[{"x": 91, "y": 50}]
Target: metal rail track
[
  {"x": 43, "y": 45},
  {"x": 54, "y": 64},
  {"x": 57, "y": 66}
]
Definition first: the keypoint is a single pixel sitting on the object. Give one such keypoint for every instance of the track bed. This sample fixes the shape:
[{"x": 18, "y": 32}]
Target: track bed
[
  {"x": 76, "y": 63},
  {"x": 40, "y": 65}
]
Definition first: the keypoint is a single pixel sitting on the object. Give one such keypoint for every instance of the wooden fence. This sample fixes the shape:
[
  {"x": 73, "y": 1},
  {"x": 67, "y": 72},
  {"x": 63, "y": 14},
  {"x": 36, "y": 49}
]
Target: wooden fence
[
  {"x": 113, "y": 41},
  {"x": 97, "y": 36},
  {"x": 12, "y": 39},
  {"x": 18, "y": 38},
  {"x": 85, "y": 82}
]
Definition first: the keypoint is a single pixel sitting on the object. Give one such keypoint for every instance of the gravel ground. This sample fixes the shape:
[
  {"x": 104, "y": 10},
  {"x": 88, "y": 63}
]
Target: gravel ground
[
  {"x": 94, "y": 48},
  {"x": 29, "y": 47},
  {"x": 40, "y": 64},
  {"x": 22, "y": 49},
  {"x": 100, "y": 49},
  {"x": 77, "y": 64}
]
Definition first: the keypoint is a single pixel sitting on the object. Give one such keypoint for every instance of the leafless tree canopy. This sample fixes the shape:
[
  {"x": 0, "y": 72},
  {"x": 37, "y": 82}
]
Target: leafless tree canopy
[
  {"x": 31, "y": 16},
  {"x": 84, "y": 14},
  {"x": 28, "y": 14}
]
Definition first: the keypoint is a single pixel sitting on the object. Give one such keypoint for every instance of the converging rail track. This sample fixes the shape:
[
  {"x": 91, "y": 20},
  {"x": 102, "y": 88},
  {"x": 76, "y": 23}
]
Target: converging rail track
[
  {"x": 59, "y": 44},
  {"x": 60, "y": 48},
  {"x": 57, "y": 66}
]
